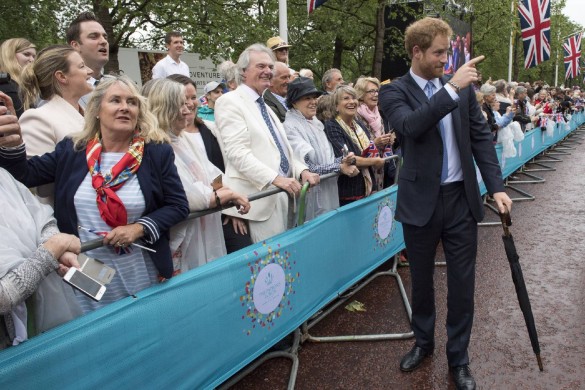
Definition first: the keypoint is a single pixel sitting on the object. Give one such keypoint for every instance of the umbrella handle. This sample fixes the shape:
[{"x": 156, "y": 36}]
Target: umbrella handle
[{"x": 506, "y": 220}]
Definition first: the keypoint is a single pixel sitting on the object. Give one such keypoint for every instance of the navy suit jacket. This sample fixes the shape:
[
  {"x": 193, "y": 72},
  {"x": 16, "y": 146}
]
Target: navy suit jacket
[
  {"x": 416, "y": 119},
  {"x": 166, "y": 203}
]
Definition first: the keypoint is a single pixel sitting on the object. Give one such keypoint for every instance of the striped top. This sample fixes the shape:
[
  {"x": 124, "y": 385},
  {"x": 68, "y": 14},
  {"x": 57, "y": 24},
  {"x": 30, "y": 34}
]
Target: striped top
[{"x": 135, "y": 271}]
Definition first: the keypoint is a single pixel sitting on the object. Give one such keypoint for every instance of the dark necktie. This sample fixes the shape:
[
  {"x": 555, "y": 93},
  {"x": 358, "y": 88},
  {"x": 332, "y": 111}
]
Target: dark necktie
[
  {"x": 283, "y": 160},
  {"x": 430, "y": 91}
]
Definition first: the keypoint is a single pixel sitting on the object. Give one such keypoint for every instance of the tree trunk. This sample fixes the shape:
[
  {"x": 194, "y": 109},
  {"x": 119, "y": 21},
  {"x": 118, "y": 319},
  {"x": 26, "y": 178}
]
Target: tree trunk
[
  {"x": 338, "y": 52},
  {"x": 101, "y": 11},
  {"x": 379, "y": 40}
]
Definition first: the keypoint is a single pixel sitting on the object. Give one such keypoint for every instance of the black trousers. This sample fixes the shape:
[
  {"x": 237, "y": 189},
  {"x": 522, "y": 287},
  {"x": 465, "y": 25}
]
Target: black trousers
[
  {"x": 453, "y": 224},
  {"x": 233, "y": 240}
]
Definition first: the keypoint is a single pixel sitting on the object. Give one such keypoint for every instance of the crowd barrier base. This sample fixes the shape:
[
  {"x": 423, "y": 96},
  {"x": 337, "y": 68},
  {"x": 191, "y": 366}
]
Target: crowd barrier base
[
  {"x": 488, "y": 205},
  {"x": 291, "y": 353},
  {"x": 558, "y": 152},
  {"x": 536, "y": 165},
  {"x": 393, "y": 273},
  {"x": 547, "y": 158},
  {"x": 571, "y": 141}
]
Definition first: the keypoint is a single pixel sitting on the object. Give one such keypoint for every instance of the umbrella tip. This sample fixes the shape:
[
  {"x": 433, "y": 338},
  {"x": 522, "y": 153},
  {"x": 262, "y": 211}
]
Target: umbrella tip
[{"x": 539, "y": 360}]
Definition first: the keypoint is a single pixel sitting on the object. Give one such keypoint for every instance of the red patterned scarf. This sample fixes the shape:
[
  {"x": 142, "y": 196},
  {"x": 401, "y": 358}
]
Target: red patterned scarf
[{"x": 110, "y": 206}]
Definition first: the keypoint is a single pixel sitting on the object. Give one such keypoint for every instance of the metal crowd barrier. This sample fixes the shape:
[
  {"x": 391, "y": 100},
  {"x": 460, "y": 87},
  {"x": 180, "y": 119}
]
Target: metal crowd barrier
[
  {"x": 153, "y": 332},
  {"x": 302, "y": 334},
  {"x": 545, "y": 154}
]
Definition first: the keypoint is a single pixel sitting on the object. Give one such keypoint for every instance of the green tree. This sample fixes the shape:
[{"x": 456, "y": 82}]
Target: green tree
[
  {"x": 346, "y": 34},
  {"x": 35, "y": 20}
]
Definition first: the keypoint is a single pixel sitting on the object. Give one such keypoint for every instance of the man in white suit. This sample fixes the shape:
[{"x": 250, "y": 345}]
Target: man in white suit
[{"x": 255, "y": 147}]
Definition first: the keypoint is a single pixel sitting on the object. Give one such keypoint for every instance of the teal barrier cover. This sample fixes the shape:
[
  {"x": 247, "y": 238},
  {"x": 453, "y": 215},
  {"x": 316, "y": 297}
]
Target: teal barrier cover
[{"x": 198, "y": 329}]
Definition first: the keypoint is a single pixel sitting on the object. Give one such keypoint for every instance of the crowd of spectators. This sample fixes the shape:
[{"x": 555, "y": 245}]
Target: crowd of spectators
[
  {"x": 519, "y": 107},
  {"x": 103, "y": 160}
]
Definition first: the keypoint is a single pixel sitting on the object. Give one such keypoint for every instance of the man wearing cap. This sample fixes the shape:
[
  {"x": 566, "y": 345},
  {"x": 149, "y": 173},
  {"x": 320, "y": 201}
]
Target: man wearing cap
[
  {"x": 280, "y": 48},
  {"x": 172, "y": 63},
  {"x": 275, "y": 96},
  {"x": 213, "y": 90},
  {"x": 256, "y": 151}
]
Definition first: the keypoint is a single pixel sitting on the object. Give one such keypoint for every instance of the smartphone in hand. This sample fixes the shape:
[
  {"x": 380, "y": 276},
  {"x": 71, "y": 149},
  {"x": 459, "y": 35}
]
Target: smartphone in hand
[{"x": 85, "y": 284}]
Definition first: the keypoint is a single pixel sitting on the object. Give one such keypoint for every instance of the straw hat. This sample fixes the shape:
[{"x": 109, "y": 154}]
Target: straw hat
[{"x": 276, "y": 43}]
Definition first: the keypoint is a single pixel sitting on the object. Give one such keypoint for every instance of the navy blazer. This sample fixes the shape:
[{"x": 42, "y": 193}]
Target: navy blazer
[
  {"x": 348, "y": 187},
  {"x": 166, "y": 203},
  {"x": 416, "y": 119}
]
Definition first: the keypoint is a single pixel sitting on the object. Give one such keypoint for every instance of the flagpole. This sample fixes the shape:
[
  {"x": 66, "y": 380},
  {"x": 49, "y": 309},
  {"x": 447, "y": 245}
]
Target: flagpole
[
  {"x": 282, "y": 20},
  {"x": 511, "y": 43},
  {"x": 559, "y": 42}
]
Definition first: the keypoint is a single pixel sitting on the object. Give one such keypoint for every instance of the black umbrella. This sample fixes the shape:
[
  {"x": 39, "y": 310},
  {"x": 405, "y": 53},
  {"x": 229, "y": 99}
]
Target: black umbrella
[{"x": 520, "y": 285}]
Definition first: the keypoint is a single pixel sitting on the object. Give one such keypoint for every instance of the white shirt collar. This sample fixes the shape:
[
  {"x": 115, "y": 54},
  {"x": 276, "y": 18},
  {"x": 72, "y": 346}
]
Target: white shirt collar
[
  {"x": 422, "y": 83},
  {"x": 171, "y": 61},
  {"x": 250, "y": 92}
]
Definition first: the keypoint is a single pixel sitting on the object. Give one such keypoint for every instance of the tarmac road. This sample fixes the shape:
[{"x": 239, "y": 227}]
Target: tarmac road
[{"x": 549, "y": 234}]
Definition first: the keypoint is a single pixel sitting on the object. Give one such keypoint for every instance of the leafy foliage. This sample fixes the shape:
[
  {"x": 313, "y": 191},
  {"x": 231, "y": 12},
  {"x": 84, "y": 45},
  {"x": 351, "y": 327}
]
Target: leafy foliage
[
  {"x": 341, "y": 33},
  {"x": 31, "y": 19}
]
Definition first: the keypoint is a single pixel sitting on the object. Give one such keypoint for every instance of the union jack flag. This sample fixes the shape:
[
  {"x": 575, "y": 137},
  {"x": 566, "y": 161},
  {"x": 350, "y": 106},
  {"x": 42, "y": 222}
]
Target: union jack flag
[
  {"x": 572, "y": 49},
  {"x": 371, "y": 151},
  {"x": 535, "y": 25},
  {"x": 313, "y": 4}
]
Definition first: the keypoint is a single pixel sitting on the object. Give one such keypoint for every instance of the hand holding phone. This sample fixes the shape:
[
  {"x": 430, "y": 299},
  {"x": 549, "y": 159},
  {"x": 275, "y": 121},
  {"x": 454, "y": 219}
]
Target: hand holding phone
[
  {"x": 85, "y": 284},
  {"x": 9, "y": 127},
  {"x": 344, "y": 151}
]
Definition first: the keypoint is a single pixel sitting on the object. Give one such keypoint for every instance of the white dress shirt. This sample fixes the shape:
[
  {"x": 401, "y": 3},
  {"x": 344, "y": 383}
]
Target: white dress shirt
[
  {"x": 167, "y": 66},
  {"x": 454, "y": 172}
]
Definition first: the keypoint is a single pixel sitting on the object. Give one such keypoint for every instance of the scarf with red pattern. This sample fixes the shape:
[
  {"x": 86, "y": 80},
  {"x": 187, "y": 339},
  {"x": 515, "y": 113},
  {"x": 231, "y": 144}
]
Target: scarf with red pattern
[{"x": 110, "y": 206}]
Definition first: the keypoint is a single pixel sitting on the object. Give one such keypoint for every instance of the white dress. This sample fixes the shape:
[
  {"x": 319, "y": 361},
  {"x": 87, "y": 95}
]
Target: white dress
[{"x": 200, "y": 240}]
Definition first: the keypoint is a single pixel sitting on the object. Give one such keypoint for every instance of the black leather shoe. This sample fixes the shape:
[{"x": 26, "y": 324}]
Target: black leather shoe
[
  {"x": 462, "y": 377},
  {"x": 414, "y": 358}
]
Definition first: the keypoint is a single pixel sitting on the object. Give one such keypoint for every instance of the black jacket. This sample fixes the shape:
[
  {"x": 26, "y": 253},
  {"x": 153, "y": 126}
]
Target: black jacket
[{"x": 275, "y": 105}]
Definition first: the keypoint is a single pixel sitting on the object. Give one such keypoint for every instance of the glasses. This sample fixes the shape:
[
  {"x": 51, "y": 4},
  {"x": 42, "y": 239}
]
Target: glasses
[{"x": 373, "y": 91}]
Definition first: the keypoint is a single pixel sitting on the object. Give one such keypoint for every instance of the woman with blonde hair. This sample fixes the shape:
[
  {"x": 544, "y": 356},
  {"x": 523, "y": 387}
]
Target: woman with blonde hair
[
  {"x": 235, "y": 230},
  {"x": 368, "y": 89},
  {"x": 15, "y": 54},
  {"x": 346, "y": 132},
  {"x": 58, "y": 76},
  {"x": 197, "y": 241},
  {"x": 115, "y": 179}
]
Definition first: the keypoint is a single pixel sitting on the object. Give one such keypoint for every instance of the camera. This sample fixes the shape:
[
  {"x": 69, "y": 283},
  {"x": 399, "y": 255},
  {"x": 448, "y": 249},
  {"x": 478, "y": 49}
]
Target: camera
[{"x": 4, "y": 78}]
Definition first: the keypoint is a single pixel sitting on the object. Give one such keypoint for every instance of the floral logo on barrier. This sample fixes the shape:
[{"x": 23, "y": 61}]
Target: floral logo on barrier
[
  {"x": 267, "y": 293},
  {"x": 384, "y": 226}
]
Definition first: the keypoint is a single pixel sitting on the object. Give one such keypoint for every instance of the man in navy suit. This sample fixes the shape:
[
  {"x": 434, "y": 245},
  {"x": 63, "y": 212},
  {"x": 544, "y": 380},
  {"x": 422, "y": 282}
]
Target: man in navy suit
[{"x": 442, "y": 132}]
